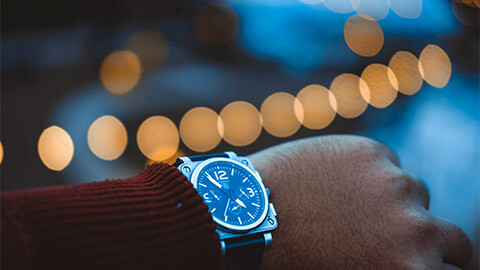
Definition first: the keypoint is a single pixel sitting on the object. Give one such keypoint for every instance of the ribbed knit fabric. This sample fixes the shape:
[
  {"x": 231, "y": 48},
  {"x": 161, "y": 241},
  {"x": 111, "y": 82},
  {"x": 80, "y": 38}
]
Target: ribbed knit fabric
[{"x": 155, "y": 220}]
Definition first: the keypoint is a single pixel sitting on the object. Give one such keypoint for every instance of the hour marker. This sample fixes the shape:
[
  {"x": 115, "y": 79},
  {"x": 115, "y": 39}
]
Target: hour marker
[
  {"x": 226, "y": 217},
  {"x": 239, "y": 220},
  {"x": 245, "y": 180},
  {"x": 255, "y": 204},
  {"x": 248, "y": 214},
  {"x": 203, "y": 185},
  {"x": 213, "y": 210},
  {"x": 232, "y": 171}
]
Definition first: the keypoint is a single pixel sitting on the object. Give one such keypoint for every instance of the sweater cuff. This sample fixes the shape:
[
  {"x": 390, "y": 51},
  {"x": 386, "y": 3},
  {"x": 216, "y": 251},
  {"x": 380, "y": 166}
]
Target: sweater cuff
[{"x": 153, "y": 220}]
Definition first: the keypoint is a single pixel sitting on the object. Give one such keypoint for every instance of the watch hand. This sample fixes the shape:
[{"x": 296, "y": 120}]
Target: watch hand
[
  {"x": 243, "y": 193},
  {"x": 225, "y": 213},
  {"x": 214, "y": 195},
  {"x": 240, "y": 203},
  {"x": 214, "y": 181}
]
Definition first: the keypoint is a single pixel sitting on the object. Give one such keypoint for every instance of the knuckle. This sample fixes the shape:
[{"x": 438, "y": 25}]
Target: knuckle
[
  {"x": 401, "y": 184},
  {"x": 422, "y": 227}
]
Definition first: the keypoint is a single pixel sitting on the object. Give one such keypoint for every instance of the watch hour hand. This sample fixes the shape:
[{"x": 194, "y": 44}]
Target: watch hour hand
[
  {"x": 240, "y": 203},
  {"x": 214, "y": 181}
]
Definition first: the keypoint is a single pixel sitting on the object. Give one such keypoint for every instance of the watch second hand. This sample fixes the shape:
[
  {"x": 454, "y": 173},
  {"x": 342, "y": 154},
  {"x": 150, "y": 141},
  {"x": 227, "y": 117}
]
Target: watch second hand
[{"x": 228, "y": 202}]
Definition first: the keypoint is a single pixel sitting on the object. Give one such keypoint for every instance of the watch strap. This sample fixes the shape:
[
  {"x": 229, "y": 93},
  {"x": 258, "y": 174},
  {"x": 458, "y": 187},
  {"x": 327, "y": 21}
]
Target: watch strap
[
  {"x": 244, "y": 252},
  {"x": 200, "y": 158}
]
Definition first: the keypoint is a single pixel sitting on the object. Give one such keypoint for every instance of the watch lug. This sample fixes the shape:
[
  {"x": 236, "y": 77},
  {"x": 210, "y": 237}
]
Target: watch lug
[
  {"x": 267, "y": 237},
  {"x": 224, "y": 246},
  {"x": 272, "y": 209},
  {"x": 231, "y": 154}
]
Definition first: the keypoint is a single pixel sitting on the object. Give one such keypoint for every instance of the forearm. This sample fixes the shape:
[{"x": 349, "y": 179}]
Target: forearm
[{"x": 153, "y": 220}]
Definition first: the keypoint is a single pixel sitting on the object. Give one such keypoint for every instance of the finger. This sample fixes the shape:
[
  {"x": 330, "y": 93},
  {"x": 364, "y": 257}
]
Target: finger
[{"x": 454, "y": 244}]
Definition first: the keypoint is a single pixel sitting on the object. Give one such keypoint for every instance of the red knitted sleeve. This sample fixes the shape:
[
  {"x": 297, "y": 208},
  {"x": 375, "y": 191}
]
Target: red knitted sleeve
[{"x": 155, "y": 220}]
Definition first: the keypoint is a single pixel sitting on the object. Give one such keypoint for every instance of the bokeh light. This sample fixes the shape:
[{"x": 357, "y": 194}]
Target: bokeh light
[
  {"x": 241, "y": 122},
  {"x": 311, "y": 2},
  {"x": 282, "y": 114},
  {"x": 406, "y": 68},
  {"x": 170, "y": 160},
  {"x": 151, "y": 47},
  {"x": 363, "y": 35},
  {"x": 349, "y": 91},
  {"x": 120, "y": 72},
  {"x": 382, "y": 84},
  {"x": 339, "y": 6},
  {"x": 466, "y": 13},
  {"x": 55, "y": 148},
  {"x": 376, "y": 9},
  {"x": 201, "y": 129},
  {"x": 215, "y": 24},
  {"x": 318, "y": 112},
  {"x": 107, "y": 137},
  {"x": 436, "y": 66},
  {"x": 157, "y": 138},
  {"x": 409, "y": 9},
  {"x": 1, "y": 152}
]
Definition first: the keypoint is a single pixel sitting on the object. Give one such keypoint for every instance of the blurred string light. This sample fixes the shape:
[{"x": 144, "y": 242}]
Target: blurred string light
[
  {"x": 376, "y": 9},
  {"x": 201, "y": 129},
  {"x": 311, "y": 2},
  {"x": 363, "y": 35},
  {"x": 435, "y": 66},
  {"x": 151, "y": 47},
  {"x": 1, "y": 152},
  {"x": 55, "y": 148},
  {"x": 157, "y": 138},
  {"x": 242, "y": 123},
  {"x": 170, "y": 160},
  {"x": 382, "y": 84},
  {"x": 339, "y": 6},
  {"x": 107, "y": 137},
  {"x": 408, "y": 9},
  {"x": 407, "y": 70},
  {"x": 466, "y": 13},
  {"x": 120, "y": 72},
  {"x": 350, "y": 92},
  {"x": 215, "y": 24},
  {"x": 282, "y": 114},
  {"x": 471, "y": 3},
  {"x": 318, "y": 111}
]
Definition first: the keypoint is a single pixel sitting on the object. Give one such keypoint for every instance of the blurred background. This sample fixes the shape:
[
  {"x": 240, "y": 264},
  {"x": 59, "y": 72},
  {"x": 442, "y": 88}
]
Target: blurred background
[{"x": 98, "y": 89}]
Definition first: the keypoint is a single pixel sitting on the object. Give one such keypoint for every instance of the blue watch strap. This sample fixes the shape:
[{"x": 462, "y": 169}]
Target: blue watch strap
[{"x": 200, "y": 158}]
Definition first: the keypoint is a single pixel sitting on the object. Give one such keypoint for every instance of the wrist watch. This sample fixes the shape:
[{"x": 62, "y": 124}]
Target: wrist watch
[{"x": 238, "y": 202}]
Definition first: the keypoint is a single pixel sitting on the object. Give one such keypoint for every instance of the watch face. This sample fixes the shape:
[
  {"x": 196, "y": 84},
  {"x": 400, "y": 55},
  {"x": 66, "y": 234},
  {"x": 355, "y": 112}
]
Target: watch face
[{"x": 235, "y": 196}]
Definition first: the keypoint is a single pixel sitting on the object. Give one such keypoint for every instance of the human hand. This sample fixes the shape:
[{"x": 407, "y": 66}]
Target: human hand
[{"x": 344, "y": 203}]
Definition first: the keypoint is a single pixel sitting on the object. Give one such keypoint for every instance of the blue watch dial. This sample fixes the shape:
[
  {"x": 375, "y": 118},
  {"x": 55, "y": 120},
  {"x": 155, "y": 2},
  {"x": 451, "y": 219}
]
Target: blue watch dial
[{"x": 233, "y": 194}]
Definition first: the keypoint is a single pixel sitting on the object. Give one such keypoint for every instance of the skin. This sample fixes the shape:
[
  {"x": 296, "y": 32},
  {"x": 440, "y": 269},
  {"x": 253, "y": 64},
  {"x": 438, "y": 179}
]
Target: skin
[{"x": 343, "y": 202}]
